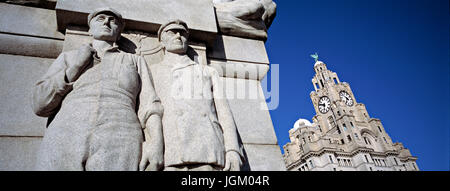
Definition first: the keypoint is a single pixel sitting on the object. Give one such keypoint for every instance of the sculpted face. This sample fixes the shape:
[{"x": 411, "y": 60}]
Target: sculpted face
[
  {"x": 174, "y": 39},
  {"x": 105, "y": 27}
]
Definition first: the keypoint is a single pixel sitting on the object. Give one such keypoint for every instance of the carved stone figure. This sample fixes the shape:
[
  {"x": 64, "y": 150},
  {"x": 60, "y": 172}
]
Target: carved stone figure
[
  {"x": 245, "y": 18},
  {"x": 98, "y": 100},
  {"x": 199, "y": 129}
]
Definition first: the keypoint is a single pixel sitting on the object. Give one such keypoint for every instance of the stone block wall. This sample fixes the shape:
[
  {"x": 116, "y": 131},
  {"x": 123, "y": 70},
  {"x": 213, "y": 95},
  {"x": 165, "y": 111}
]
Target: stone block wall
[
  {"x": 31, "y": 38},
  {"x": 29, "y": 42}
]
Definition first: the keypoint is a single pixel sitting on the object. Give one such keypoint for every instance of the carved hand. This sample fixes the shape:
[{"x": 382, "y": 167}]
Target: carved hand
[
  {"x": 152, "y": 157},
  {"x": 84, "y": 57},
  {"x": 233, "y": 161}
]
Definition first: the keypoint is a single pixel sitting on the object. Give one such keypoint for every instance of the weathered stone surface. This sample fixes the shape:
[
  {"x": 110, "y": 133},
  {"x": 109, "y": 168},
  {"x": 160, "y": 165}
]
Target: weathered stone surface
[
  {"x": 264, "y": 157},
  {"x": 18, "y": 153},
  {"x": 18, "y": 74},
  {"x": 250, "y": 111},
  {"x": 28, "y": 21},
  {"x": 145, "y": 15},
  {"x": 47, "y": 4},
  {"x": 30, "y": 46},
  {"x": 198, "y": 125},
  {"x": 135, "y": 42},
  {"x": 102, "y": 99},
  {"x": 238, "y": 49},
  {"x": 241, "y": 70},
  {"x": 245, "y": 18}
]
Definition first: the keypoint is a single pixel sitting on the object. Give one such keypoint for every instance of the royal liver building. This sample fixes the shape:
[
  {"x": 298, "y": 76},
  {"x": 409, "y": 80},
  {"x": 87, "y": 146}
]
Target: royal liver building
[{"x": 342, "y": 137}]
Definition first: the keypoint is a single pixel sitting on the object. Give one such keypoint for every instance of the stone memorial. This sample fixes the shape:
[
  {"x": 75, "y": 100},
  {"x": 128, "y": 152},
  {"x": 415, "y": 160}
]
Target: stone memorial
[{"x": 170, "y": 89}]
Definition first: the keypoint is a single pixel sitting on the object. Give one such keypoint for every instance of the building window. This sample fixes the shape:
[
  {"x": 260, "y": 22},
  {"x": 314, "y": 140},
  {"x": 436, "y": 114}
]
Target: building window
[
  {"x": 342, "y": 141},
  {"x": 339, "y": 113},
  {"x": 335, "y": 80},
  {"x": 311, "y": 163},
  {"x": 338, "y": 130},
  {"x": 370, "y": 168},
  {"x": 309, "y": 138},
  {"x": 351, "y": 124},
  {"x": 349, "y": 138},
  {"x": 345, "y": 126},
  {"x": 379, "y": 128},
  {"x": 367, "y": 141},
  {"x": 331, "y": 158},
  {"x": 367, "y": 160},
  {"x": 395, "y": 160},
  {"x": 356, "y": 136},
  {"x": 385, "y": 139}
]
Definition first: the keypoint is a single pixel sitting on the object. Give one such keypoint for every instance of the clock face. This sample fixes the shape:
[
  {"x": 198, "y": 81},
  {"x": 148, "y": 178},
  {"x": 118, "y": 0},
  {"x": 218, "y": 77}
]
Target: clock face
[
  {"x": 346, "y": 98},
  {"x": 324, "y": 104}
]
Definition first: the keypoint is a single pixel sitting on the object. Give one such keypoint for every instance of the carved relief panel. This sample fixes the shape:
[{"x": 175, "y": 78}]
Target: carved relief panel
[{"x": 135, "y": 42}]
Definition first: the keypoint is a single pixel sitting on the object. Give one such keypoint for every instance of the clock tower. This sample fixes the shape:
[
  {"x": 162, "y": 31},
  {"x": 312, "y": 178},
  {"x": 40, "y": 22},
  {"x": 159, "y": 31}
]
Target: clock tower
[
  {"x": 332, "y": 99},
  {"x": 342, "y": 136}
]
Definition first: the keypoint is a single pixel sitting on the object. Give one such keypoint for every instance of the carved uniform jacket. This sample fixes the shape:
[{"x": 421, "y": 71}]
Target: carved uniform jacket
[
  {"x": 198, "y": 125},
  {"x": 100, "y": 114}
]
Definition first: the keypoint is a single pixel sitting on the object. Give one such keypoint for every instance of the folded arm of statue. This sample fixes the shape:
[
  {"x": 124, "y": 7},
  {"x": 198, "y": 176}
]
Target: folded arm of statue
[{"x": 57, "y": 82}]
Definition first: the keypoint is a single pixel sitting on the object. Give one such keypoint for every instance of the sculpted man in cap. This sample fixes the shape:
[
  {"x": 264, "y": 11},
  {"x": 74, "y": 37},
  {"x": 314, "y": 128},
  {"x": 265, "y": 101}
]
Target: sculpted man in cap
[
  {"x": 199, "y": 129},
  {"x": 99, "y": 98}
]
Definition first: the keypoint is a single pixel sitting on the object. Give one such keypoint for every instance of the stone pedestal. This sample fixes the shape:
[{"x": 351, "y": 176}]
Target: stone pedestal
[{"x": 29, "y": 45}]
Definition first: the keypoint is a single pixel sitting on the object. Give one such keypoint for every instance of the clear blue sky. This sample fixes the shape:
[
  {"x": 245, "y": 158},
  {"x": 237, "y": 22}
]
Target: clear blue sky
[{"x": 393, "y": 53}]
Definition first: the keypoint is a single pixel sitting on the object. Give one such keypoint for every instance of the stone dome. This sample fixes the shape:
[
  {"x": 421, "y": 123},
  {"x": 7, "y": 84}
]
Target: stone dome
[
  {"x": 302, "y": 123},
  {"x": 317, "y": 63}
]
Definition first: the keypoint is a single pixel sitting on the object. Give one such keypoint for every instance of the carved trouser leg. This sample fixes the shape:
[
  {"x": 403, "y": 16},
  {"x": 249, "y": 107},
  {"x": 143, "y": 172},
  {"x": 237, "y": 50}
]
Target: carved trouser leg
[
  {"x": 62, "y": 149},
  {"x": 92, "y": 149},
  {"x": 114, "y": 149}
]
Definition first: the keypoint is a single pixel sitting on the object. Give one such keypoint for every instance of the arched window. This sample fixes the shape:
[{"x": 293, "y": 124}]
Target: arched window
[{"x": 367, "y": 140}]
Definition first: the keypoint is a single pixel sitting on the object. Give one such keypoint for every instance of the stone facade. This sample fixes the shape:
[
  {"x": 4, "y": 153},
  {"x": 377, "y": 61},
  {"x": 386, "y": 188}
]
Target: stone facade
[
  {"x": 32, "y": 35},
  {"x": 342, "y": 137}
]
